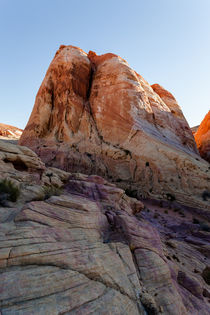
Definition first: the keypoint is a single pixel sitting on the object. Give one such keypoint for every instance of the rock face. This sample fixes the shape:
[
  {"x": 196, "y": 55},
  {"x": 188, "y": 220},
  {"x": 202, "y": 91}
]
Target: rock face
[
  {"x": 10, "y": 131},
  {"x": 202, "y": 138},
  {"x": 194, "y": 129},
  {"x": 95, "y": 115},
  {"x": 27, "y": 172},
  {"x": 95, "y": 250}
]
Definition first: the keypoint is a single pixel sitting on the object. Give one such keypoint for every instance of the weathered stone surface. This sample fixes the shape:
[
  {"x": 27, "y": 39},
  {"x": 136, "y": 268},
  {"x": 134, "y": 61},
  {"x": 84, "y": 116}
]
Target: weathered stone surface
[
  {"x": 94, "y": 249},
  {"x": 8, "y": 131},
  {"x": 95, "y": 115},
  {"x": 202, "y": 138},
  {"x": 25, "y": 170},
  {"x": 86, "y": 252}
]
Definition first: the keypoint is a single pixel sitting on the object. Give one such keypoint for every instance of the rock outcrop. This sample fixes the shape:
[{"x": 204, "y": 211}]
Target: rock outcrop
[
  {"x": 24, "y": 169},
  {"x": 93, "y": 249},
  {"x": 194, "y": 129},
  {"x": 202, "y": 138},
  {"x": 10, "y": 131},
  {"x": 95, "y": 115}
]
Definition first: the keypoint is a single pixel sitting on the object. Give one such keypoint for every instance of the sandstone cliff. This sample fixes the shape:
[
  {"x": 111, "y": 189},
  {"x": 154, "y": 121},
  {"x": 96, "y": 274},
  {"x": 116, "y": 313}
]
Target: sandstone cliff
[
  {"x": 95, "y": 115},
  {"x": 202, "y": 138},
  {"x": 93, "y": 249}
]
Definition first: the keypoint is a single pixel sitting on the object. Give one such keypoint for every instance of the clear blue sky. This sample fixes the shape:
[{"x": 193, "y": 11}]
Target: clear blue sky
[{"x": 166, "y": 41}]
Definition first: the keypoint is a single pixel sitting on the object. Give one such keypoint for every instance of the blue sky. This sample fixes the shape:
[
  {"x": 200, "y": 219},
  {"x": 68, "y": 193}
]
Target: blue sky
[{"x": 166, "y": 41}]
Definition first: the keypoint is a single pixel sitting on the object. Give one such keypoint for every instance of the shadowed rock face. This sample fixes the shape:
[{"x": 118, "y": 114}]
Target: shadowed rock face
[
  {"x": 202, "y": 138},
  {"x": 95, "y": 115}
]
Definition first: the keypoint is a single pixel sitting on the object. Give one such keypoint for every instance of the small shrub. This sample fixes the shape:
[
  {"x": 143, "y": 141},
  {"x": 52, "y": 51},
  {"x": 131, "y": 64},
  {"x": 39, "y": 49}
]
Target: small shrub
[
  {"x": 9, "y": 189},
  {"x": 166, "y": 211},
  {"x": 50, "y": 191}
]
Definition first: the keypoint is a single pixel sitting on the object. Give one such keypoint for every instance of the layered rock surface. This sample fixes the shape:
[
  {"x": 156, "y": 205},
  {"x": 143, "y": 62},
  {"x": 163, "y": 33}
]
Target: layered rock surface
[
  {"x": 10, "y": 131},
  {"x": 202, "y": 138},
  {"x": 94, "y": 250},
  {"x": 95, "y": 115}
]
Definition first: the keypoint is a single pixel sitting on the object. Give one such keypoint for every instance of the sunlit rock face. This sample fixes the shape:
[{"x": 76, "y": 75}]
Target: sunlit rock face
[
  {"x": 96, "y": 115},
  {"x": 8, "y": 131},
  {"x": 202, "y": 138}
]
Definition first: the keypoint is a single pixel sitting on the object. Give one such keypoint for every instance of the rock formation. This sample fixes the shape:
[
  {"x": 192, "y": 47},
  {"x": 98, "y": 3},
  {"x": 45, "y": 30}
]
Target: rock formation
[
  {"x": 95, "y": 250},
  {"x": 202, "y": 138},
  {"x": 10, "y": 131},
  {"x": 95, "y": 115},
  {"x": 194, "y": 129},
  {"x": 27, "y": 172}
]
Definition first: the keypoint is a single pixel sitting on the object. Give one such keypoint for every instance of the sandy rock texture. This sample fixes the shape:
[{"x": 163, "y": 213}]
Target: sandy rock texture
[
  {"x": 202, "y": 138},
  {"x": 95, "y": 115},
  {"x": 95, "y": 250},
  {"x": 10, "y": 131}
]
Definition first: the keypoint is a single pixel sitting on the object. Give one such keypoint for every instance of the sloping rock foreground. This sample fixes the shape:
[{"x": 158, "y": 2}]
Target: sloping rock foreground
[
  {"x": 95, "y": 115},
  {"x": 202, "y": 138},
  {"x": 10, "y": 131},
  {"x": 94, "y": 250}
]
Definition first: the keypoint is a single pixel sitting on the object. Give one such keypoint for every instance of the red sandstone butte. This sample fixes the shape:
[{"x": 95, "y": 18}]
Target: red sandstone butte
[
  {"x": 96, "y": 115},
  {"x": 202, "y": 137}
]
